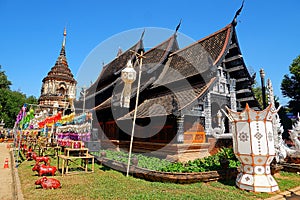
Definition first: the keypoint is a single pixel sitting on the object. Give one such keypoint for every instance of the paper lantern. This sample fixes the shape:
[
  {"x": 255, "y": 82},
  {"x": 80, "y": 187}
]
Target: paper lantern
[
  {"x": 253, "y": 144},
  {"x": 128, "y": 75}
]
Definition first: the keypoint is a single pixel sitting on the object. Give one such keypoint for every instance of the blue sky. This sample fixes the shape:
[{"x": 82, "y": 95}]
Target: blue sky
[{"x": 31, "y": 32}]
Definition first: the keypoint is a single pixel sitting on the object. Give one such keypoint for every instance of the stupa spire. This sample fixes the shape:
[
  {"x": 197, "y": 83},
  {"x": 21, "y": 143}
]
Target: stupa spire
[
  {"x": 62, "y": 51},
  {"x": 65, "y": 34}
]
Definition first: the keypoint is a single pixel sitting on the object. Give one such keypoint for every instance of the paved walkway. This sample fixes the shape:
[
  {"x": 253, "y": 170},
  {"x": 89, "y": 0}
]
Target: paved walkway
[
  {"x": 6, "y": 185},
  {"x": 292, "y": 194},
  {"x": 10, "y": 185}
]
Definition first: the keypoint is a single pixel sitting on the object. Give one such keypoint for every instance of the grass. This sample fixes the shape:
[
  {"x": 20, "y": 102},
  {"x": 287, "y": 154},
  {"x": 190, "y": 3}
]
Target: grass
[{"x": 109, "y": 184}]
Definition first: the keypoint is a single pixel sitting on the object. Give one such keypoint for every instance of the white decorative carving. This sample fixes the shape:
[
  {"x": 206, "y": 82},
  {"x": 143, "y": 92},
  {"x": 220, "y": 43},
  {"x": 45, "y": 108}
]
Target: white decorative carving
[
  {"x": 219, "y": 131},
  {"x": 294, "y": 133},
  {"x": 281, "y": 149}
]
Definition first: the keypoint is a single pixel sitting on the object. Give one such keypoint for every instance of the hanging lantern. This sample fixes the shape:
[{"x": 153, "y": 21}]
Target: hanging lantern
[
  {"x": 128, "y": 75},
  {"x": 253, "y": 144}
]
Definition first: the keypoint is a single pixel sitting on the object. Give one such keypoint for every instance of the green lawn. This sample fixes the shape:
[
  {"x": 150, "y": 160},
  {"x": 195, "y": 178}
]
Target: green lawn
[{"x": 109, "y": 184}]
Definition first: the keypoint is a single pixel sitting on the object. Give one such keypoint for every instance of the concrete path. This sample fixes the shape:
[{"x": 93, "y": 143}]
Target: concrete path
[
  {"x": 292, "y": 194},
  {"x": 10, "y": 187},
  {"x": 6, "y": 185}
]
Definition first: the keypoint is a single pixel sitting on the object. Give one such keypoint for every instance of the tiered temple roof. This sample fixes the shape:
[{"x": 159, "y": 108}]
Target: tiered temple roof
[
  {"x": 153, "y": 63},
  {"x": 192, "y": 70}
]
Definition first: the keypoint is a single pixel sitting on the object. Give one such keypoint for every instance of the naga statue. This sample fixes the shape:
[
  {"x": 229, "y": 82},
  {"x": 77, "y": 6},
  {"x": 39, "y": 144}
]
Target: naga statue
[
  {"x": 219, "y": 131},
  {"x": 282, "y": 150},
  {"x": 294, "y": 134}
]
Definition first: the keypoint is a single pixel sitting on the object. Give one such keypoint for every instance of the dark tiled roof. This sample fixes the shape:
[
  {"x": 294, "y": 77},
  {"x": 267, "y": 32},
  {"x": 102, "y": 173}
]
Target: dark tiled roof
[
  {"x": 166, "y": 104},
  {"x": 159, "y": 53},
  {"x": 114, "y": 67},
  {"x": 103, "y": 105},
  {"x": 196, "y": 58},
  {"x": 216, "y": 43},
  {"x": 153, "y": 62}
]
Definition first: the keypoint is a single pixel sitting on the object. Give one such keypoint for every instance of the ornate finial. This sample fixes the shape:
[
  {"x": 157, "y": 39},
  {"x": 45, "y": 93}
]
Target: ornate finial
[
  {"x": 234, "y": 21},
  {"x": 271, "y": 99},
  {"x": 178, "y": 26},
  {"x": 65, "y": 34},
  {"x": 142, "y": 36},
  {"x": 120, "y": 51}
]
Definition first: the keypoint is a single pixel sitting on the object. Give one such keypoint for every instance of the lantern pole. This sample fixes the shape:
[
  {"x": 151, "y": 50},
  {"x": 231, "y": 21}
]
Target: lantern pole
[
  {"x": 140, "y": 57},
  {"x": 263, "y": 87},
  {"x": 83, "y": 92}
]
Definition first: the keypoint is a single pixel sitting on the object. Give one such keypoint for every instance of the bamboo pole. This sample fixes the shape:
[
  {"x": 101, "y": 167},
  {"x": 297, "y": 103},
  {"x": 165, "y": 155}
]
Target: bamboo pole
[{"x": 140, "y": 56}]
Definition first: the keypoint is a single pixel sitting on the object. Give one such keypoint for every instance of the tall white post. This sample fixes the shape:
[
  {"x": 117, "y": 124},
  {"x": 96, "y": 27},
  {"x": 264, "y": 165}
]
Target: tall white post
[{"x": 140, "y": 56}]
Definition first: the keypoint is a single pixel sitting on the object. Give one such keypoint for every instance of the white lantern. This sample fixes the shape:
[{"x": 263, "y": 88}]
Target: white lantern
[
  {"x": 253, "y": 144},
  {"x": 128, "y": 75}
]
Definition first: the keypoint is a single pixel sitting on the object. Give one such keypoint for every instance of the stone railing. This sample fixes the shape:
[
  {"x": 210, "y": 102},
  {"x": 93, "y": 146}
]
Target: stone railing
[{"x": 151, "y": 175}]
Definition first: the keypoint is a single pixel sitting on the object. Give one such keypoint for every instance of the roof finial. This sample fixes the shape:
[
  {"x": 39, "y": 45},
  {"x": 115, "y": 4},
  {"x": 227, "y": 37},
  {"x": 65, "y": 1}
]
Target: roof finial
[
  {"x": 120, "y": 51},
  {"x": 142, "y": 36},
  {"x": 234, "y": 22},
  {"x": 178, "y": 26},
  {"x": 64, "y": 40},
  {"x": 62, "y": 51}
]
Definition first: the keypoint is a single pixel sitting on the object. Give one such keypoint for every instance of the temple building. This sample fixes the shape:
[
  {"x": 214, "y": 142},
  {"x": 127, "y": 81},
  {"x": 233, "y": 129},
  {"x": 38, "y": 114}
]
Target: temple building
[
  {"x": 181, "y": 95},
  {"x": 59, "y": 86}
]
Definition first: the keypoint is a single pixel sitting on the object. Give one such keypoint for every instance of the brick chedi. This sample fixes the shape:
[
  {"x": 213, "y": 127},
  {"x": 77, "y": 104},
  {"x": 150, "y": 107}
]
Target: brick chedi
[{"x": 59, "y": 86}]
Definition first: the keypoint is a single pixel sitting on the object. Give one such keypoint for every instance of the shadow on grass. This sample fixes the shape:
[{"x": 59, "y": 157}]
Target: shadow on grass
[
  {"x": 229, "y": 182},
  {"x": 104, "y": 168}
]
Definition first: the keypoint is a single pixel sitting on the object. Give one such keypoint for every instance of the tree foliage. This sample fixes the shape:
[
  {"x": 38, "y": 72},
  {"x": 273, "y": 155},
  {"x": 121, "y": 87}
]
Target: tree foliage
[
  {"x": 258, "y": 94},
  {"x": 4, "y": 82},
  {"x": 290, "y": 86},
  {"x": 11, "y": 101},
  {"x": 285, "y": 121}
]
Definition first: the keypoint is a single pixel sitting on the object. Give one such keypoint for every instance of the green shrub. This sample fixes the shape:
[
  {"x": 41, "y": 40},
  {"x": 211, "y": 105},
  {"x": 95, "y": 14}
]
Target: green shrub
[
  {"x": 209, "y": 163},
  {"x": 151, "y": 163}
]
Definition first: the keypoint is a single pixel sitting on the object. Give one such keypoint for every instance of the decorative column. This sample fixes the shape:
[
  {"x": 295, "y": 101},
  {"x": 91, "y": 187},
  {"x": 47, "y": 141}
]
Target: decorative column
[
  {"x": 253, "y": 145},
  {"x": 180, "y": 129},
  {"x": 263, "y": 87},
  {"x": 232, "y": 94},
  {"x": 53, "y": 87},
  {"x": 45, "y": 88},
  {"x": 207, "y": 111}
]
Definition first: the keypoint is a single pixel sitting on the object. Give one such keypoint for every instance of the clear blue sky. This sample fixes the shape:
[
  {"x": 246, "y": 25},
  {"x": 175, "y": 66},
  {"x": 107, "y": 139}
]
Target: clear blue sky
[{"x": 31, "y": 32}]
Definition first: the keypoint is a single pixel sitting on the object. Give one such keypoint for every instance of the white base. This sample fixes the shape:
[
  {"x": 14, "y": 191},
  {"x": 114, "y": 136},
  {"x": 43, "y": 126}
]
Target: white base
[{"x": 257, "y": 183}]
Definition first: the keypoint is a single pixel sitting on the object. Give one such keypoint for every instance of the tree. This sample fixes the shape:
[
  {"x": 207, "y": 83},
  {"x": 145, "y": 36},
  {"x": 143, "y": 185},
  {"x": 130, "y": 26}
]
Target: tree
[
  {"x": 258, "y": 94},
  {"x": 285, "y": 121},
  {"x": 32, "y": 100},
  {"x": 4, "y": 82},
  {"x": 11, "y": 101},
  {"x": 290, "y": 86}
]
